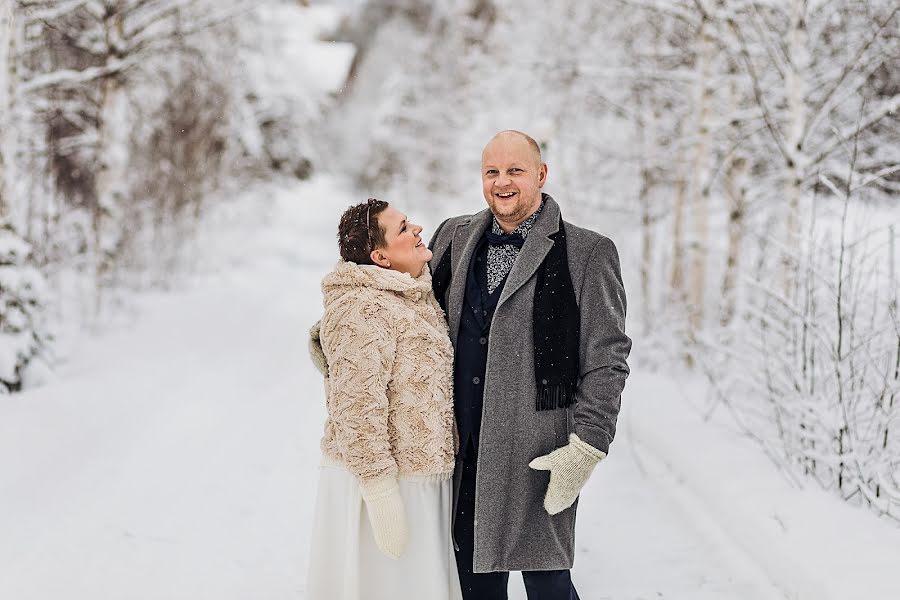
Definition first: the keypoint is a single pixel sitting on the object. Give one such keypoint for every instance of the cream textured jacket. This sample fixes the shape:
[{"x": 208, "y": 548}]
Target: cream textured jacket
[{"x": 389, "y": 389}]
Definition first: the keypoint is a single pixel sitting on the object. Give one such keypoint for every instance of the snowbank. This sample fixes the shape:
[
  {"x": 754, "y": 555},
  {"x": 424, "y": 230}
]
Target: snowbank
[{"x": 811, "y": 545}]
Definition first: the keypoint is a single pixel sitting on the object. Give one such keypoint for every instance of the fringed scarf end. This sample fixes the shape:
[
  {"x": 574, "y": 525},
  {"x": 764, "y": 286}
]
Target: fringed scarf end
[{"x": 553, "y": 396}]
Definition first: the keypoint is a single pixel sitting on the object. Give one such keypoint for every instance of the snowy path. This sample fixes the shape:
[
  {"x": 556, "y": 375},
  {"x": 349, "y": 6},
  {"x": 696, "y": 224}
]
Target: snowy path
[{"x": 178, "y": 460}]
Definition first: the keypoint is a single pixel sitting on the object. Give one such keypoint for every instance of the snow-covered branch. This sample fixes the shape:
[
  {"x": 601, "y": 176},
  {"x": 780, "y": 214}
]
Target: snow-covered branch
[
  {"x": 68, "y": 77},
  {"x": 886, "y": 107},
  {"x": 852, "y": 65},
  {"x": 48, "y": 11}
]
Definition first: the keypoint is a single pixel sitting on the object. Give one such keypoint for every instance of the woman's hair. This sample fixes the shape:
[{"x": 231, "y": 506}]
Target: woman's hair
[{"x": 359, "y": 232}]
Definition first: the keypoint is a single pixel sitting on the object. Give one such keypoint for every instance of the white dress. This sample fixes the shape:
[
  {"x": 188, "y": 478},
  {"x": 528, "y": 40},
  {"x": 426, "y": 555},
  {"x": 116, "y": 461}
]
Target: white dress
[{"x": 345, "y": 563}]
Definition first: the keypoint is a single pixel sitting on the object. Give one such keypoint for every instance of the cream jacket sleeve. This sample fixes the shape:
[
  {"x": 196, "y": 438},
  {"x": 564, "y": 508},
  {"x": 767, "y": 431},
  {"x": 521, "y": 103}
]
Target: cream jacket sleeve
[{"x": 359, "y": 342}]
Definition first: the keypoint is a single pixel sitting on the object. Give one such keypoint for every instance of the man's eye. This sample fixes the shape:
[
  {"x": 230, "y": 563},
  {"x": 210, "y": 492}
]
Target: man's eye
[
  {"x": 491, "y": 172},
  {"x": 515, "y": 170}
]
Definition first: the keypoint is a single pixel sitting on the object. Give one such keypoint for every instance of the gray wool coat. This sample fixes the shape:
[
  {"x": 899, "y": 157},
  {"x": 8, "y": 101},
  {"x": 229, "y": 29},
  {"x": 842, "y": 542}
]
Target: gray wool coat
[{"x": 513, "y": 532}]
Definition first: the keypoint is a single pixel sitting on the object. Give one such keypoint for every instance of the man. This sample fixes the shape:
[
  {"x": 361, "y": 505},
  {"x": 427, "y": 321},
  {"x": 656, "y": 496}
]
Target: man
[{"x": 536, "y": 309}]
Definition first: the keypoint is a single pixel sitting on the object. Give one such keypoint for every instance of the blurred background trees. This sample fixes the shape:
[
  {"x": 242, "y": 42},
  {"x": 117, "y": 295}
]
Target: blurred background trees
[
  {"x": 742, "y": 153},
  {"x": 119, "y": 121}
]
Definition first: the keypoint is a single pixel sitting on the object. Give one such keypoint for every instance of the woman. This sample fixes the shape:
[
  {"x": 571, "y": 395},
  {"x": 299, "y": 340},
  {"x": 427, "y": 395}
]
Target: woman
[{"x": 382, "y": 517}]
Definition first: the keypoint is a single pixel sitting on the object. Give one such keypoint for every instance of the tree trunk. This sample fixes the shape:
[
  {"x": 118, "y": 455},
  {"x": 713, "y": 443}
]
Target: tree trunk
[
  {"x": 736, "y": 169},
  {"x": 646, "y": 250},
  {"x": 113, "y": 159},
  {"x": 698, "y": 186},
  {"x": 645, "y": 125},
  {"x": 7, "y": 106},
  {"x": 112, "y": 155},
  {"x": 796, "y": 87},
  {"x": 892, "y": 285},
  {"x": 676, "y": 279},
  {"x": 736, "y": 194}
]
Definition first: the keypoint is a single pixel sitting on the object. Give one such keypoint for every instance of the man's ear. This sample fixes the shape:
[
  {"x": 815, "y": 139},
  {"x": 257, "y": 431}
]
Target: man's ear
[
  {"x": 542, "y": 175},
  {"x": 380, "y": 259}
]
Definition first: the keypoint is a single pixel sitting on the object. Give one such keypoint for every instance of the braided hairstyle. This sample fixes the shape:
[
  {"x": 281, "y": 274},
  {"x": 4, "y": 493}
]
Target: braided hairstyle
[{"x": 359, "y": 232}]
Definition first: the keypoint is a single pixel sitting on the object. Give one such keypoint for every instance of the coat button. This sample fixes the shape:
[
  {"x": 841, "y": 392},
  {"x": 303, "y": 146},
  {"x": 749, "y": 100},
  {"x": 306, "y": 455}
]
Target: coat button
[
  {"x": 476, "y": 380},
  {"x": 544, "y": 381},
  {"x": 482, "y": 341}
]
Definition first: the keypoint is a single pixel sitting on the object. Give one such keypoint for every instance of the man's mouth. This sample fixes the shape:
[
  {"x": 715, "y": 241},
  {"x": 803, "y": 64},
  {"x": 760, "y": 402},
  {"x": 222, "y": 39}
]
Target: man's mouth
[
  {"x": 420, "y": 244},
  {"x": 505, "y": 195}
]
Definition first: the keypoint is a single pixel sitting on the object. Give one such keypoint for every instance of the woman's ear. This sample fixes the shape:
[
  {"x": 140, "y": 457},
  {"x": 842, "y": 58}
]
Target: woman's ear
[{"x": 380, "y": 259}]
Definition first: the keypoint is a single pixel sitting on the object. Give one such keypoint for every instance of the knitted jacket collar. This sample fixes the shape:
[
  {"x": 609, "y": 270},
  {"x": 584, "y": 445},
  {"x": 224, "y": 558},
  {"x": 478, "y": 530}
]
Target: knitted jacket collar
[{"x": 347, "y": 275}]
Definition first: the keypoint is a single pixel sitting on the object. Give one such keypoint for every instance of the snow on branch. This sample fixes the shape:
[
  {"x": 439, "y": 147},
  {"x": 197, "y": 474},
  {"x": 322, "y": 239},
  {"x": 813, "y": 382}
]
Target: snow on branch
[
  {"x": 852, "y": 65},
  {"x": 48, "y": 11},
  {"x": 887, "y": 107},
  {"x": 68, "y": 77}
]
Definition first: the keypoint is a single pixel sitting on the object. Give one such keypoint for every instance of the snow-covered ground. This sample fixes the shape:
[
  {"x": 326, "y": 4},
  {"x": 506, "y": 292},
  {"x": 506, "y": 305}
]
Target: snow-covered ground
[{"x": 177, "y": 459}]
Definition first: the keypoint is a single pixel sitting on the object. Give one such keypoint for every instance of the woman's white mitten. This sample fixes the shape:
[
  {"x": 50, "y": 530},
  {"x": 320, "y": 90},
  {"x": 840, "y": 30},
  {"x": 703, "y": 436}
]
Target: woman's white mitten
[
  {"x": 570, "y": 467},
  {"x": 386, "y": 515}
]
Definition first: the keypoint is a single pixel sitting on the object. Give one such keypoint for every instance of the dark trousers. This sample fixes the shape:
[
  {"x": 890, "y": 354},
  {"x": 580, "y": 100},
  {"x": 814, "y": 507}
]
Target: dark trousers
[{"x": 539, "y": 585}]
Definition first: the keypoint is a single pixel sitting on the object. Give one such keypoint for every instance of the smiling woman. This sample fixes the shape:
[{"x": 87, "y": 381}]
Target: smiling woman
[
  {"x": 390, "y": 440},
  {"x": 376, "y": 233},
  {"x": 403, "y": 249}
]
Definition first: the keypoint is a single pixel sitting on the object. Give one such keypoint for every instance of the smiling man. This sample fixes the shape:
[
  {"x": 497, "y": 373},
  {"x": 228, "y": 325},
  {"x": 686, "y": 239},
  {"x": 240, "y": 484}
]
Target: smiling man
[
  {"x": 512, "y": 175},
  {"x": 536, "y": 309}
]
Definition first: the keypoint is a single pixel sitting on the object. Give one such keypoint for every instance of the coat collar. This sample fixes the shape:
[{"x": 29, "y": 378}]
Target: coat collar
[
  {"x": 351, "y": 275},
  {"x": 465, "y": 239},
  {"x": 532, "y": 254}
]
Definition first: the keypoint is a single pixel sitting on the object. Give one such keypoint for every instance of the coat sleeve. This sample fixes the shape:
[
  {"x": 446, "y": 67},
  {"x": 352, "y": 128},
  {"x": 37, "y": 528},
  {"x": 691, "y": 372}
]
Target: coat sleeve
[
  {"x": 360, "y": 345},
  {"x": 604, "y": 347}
]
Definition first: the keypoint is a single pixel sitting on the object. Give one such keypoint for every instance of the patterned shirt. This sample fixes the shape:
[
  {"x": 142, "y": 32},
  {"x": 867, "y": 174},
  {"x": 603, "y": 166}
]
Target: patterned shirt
[{"x": 500, "y": 259}]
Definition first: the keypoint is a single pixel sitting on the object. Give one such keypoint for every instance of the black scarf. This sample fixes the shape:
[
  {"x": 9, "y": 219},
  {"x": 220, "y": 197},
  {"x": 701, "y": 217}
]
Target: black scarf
[{"x": 556, "y": 327}]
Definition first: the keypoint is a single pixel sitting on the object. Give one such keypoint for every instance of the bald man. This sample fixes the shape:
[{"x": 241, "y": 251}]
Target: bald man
[{"x": 536, "y": 310}]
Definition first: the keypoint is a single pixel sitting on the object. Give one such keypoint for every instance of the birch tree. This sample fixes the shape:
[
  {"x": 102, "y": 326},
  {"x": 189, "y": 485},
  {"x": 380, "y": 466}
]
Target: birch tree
[
  {"x": 99, "y": 54},
  {"x": 657, "y": 77},
  {"x": 8, "y": 76},
  {"x": 809, "y": 89},
  {"x": 794, "y": 110}
]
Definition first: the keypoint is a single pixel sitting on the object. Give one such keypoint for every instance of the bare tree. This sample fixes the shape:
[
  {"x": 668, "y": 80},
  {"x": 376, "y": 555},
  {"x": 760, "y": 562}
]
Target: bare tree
[
  {"x": 8, "y": 77},
  {"x": 89, "y": 67},
  {"x": 803, "y": 89}
]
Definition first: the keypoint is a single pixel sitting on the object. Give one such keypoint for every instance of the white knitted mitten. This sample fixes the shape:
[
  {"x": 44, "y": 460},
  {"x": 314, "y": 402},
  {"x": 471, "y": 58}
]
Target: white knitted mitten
[
  {"x": 570, "y": 467},
  {"x": 315, "y": 350},
  {"x": 386, "y": 515}
]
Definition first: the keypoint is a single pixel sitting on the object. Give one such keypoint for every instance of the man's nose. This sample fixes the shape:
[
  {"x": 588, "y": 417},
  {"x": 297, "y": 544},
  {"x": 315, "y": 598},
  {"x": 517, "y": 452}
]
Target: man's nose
[
  {"x": 417, "y": 229},
  {"x": 502, "y": 180}
]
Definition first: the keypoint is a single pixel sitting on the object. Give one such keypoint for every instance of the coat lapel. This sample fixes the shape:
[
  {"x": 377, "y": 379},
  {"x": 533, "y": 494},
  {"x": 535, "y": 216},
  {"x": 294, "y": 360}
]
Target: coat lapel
[
  {"x": 465, "y": 239},
  {"x": 532, "y": 254}
]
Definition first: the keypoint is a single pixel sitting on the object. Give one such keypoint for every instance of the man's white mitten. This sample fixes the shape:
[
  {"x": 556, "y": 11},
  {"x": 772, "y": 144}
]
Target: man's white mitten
[
  {"x": 570, "y": 467},
  {"x": 315, "y": 350},
  {"x": 386, "y": 515}
]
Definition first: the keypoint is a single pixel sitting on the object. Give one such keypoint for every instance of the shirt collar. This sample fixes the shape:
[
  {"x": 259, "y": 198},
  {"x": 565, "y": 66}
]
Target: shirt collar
[{"x": 523, "y": 227}]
